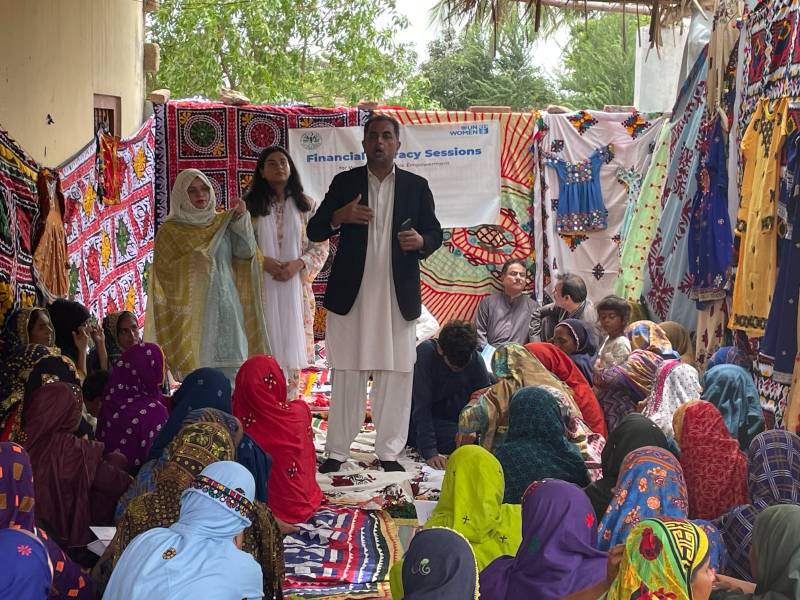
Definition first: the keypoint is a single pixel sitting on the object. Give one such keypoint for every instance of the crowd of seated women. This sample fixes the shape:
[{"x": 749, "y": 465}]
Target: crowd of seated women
[{"x": 614, "y": 471}]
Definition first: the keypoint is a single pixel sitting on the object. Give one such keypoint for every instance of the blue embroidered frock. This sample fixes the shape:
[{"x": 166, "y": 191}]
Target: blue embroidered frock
[{"x": 580, "y": 200}]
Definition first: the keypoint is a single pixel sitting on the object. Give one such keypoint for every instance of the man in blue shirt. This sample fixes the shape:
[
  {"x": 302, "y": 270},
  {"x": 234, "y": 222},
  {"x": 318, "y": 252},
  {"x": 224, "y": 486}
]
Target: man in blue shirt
[{"x": 448, "y": 370}]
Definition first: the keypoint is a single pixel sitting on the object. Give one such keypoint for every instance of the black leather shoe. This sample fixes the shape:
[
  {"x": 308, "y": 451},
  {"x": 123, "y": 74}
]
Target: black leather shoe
[
  {"x": 391, "y": 465},
  {"x": 331, "y": 465}
]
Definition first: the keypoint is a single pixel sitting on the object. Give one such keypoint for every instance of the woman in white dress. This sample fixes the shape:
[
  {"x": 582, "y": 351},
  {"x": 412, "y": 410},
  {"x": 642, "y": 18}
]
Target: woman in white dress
[{"x": 280, "y": 212}]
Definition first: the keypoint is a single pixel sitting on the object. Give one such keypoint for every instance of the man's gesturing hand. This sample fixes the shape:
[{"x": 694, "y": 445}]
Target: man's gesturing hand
[{"x": 353, "y": 214}]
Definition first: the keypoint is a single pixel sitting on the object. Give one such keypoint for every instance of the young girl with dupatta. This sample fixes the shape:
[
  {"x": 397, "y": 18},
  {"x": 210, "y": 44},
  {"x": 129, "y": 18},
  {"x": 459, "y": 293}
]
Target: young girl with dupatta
[
  {"x": 439, "y": 565},
  {"x": 280, "y": 212}
]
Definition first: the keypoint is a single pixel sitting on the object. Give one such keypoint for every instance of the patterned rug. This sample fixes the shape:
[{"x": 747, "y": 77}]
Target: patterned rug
[
  {"x": 467, "y": 266},
  {"x": 110, "y": 242},
  {"x": 342, "y": 552},
  {"x": 19, "y": 211}
]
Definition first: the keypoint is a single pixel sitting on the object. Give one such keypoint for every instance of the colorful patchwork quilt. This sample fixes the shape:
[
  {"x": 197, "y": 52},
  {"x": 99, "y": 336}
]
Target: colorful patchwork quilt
[
  {"x": 19, "y": 211},
  {"x": 110, "y": 234},
  {"x": 342, "y": 552}
]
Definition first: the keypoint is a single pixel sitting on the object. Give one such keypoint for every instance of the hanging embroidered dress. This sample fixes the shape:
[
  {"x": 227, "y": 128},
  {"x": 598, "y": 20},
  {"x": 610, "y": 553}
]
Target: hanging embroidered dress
[
  {"x": 778, "y": 347},
  {"x": 757, "y": 219},
  {"x": 580, "y": 200}
]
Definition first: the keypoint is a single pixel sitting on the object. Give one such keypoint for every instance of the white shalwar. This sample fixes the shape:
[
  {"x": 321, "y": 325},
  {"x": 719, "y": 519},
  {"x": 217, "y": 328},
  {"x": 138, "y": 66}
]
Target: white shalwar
[{"x": 372, "y": 339}]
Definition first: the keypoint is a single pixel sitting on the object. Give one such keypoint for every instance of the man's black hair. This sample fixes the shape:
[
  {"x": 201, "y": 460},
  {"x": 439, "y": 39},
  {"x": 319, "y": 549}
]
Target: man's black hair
[
  {"x": 511, "y": 262},
  {"x": 573, "y": 286},
  {"x": 458, "y": 341},
  {"x": 377, "y": 118}
]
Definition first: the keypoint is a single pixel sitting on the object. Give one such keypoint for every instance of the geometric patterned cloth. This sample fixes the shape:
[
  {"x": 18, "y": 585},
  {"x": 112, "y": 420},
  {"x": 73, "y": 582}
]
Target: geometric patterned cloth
[
  {"x": 467, "y": 267},
  {"x": 110, "y": 244},
  {"x": 19, "y": 211},
  {"x": 224, "y": 143},
  {"x": 341, "y": 552}
]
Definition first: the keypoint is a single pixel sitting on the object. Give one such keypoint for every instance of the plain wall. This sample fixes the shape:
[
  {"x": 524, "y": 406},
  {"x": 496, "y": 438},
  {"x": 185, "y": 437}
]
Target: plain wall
[{"x": 54, "y": 56}]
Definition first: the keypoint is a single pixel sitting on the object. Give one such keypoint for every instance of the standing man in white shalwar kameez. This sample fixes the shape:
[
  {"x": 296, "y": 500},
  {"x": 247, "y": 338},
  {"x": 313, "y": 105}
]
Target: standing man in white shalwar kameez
[{"x": 386, "y": 222}]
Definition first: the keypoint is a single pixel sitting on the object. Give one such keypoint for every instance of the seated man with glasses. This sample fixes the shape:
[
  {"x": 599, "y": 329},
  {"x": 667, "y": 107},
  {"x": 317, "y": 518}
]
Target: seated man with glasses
[{"x": 506, "y": 316}]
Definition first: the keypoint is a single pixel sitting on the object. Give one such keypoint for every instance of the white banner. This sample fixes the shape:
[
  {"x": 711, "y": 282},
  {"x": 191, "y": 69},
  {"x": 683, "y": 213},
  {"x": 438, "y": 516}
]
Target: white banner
[{"x": 461, "y": 162}]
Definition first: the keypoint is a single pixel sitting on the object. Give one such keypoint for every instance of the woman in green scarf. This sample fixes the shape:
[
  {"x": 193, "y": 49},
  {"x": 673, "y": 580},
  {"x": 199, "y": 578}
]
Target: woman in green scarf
[
  {"x": 471, "y": 503},
  {"x": 774, "y": 559}
]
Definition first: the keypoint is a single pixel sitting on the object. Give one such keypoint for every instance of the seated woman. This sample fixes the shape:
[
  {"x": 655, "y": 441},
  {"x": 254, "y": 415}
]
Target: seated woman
[
  {"x": 79, "y": 483},
  {"x": 646, "y": 335},
  {"x": 775, "y": 558},
  {"x": 632, "y": 433},
  {"x": 558, "y": 554},
  {"x": 651, "y": 484},
  {"x": 147, "y": 476},
  {"x": 200, "y": 554},
  {"x": 713, "y": 465},
  {"x": 514, "y": 367},
  {"x": 731, "y": 355},
  {"x": 16, "y": 486},
  {"x": 620, "y": 389},
  {"x": 207, "y": 263},
  {"x": 27, "y": 571},
  {"x": 681, "y": 341},
  {"x": 676, "y": 384},
  {"x": 439, "y": 565},
  {"x": 732, "y": 390},
  {"x": 560, "y": 365},
  {"x": 773, "y": 478},
  {"x": 28, "y": 339},
  {"x": 195, "y": 448},
  {"x": 133, "y": 412},
  {"x": 661, "y": 558},
  {"x": 120, "y": 332},
  {"x": 211, "y": 389},
  {"x": 282, "y": 429},
  {"x": 471, "y": 503},
  {"x": 74, "y": 325},
  {"x": 573, "y": 338},
  {"x": 536, "y": 447}
]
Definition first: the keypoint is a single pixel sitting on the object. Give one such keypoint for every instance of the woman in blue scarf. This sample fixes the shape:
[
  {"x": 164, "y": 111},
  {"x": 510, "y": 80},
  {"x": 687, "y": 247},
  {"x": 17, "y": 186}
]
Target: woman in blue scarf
[
  {"x": 731, "y": 389},
  {"x": 200, "y": 555}
]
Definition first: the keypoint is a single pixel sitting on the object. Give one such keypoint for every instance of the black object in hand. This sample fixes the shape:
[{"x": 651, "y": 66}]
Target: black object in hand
[{"x": 406, "y": 225}]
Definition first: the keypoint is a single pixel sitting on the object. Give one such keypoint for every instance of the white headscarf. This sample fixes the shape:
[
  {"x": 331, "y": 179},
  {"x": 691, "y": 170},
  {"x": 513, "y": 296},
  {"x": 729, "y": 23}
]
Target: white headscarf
[{"x": 181, "y": 208}]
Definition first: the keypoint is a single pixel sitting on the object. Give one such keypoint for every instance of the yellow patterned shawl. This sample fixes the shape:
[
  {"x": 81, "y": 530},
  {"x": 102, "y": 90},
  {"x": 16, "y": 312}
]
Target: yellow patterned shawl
[{"x": 179, "y": 281}]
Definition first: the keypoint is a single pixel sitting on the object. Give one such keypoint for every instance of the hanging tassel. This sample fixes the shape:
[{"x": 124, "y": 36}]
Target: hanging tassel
[{"x": 537, "y": 16}]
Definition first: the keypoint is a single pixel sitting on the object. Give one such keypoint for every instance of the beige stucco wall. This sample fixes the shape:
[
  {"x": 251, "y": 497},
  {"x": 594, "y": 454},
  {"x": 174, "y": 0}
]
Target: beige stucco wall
[{"x": 54, "y": 56}]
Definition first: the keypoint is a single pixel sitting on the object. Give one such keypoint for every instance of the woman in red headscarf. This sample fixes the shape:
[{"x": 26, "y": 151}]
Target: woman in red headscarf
[
  {"x": 561, "y": 365},
  {"x": 282, "y": 429}
]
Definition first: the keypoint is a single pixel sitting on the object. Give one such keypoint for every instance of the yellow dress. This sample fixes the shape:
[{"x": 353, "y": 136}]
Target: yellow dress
[{"x": 757, "y": 226}]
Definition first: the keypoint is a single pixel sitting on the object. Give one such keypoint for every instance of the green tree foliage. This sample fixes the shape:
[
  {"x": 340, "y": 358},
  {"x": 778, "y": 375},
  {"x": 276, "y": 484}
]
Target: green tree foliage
[
  {"x": 275, "y": 51},
  {"x": 598, "y": 67},
  {"x": 463, "y": 69}
]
